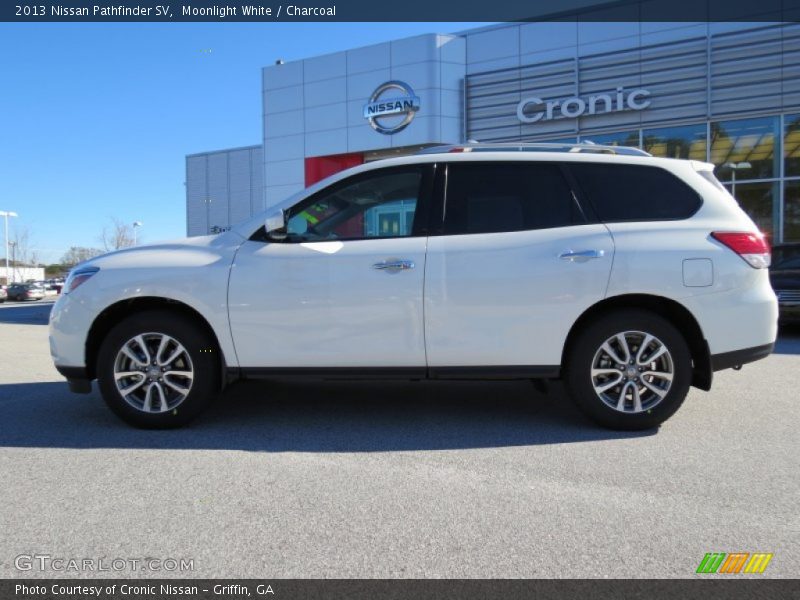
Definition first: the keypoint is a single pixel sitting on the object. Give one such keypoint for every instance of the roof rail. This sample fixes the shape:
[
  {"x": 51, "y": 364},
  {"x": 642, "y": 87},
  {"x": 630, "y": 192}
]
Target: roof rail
[{"x": 586, "y": 147}]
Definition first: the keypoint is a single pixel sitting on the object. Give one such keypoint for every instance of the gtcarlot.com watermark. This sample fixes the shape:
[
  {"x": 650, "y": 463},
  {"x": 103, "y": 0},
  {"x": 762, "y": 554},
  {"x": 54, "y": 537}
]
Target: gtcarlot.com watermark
[{"x": 61, "y": 564}]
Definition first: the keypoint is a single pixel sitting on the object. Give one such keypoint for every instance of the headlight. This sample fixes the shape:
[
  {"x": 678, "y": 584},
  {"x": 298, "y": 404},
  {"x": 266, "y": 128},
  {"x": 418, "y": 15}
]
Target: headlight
[{"x": 77, "y": 277}]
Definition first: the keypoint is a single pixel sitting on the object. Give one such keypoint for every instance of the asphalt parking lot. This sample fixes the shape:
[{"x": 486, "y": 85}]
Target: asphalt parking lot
[{"x": 490, "y": 480}]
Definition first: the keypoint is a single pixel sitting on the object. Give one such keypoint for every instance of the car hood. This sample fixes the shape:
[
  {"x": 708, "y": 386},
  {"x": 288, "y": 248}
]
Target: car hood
[{"x": 188, "y": 252}]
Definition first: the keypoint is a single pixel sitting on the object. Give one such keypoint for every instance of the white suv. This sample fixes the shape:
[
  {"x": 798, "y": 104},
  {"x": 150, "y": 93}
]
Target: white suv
[{"x": 629, "y": 277}]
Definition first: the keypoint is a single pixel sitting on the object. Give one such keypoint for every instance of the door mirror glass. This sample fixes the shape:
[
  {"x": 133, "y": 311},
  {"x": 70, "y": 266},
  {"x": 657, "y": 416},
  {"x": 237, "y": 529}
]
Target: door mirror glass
[
  {"x": 275, "y": 225},
  {"x": 298, "y": 225}
]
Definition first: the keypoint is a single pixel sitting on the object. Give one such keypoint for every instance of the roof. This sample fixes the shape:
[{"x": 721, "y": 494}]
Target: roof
[{"x": 584, "y": 148}]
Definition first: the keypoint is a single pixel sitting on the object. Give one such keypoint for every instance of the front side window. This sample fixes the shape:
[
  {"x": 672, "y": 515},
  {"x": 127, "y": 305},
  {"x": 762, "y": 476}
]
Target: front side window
[
  {"x": 515, "y": 196},
  {"x": 373, "y": 206},
  {"x": 635, "y": 193}
]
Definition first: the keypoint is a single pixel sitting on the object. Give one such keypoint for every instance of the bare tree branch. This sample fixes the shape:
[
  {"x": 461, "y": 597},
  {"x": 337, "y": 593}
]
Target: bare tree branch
[
  {"x": 78, "y": 254},
  {"x": 118, "y": 235}
]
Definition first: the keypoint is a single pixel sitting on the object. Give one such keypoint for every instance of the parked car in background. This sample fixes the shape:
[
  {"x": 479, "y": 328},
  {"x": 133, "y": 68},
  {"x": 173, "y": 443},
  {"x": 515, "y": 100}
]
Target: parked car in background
[
  {"x": 48, "y": 287},
  {"x": 54, "y": 285},
  {"x": 785, "y": 277},
  {"x": 3, "y": 294},
  {"x": 25, "y": 291}
]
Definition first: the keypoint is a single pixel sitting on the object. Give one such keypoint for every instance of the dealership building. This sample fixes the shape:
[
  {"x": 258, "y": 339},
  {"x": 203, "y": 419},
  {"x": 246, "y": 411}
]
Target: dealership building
[{"x": 727, "y": 93}]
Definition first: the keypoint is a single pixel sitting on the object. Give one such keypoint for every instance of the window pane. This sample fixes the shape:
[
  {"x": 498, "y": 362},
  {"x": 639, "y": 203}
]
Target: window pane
[
  {"x": 379, "y": 206},
  {"x": 622, "y": 138},
  {"x": 390, "y": 219},
  {"x": 791, "y": 212},
  {"x": 686, "y": 141},
  {"x": 791, "y": 145},
  {"x": 564, "y": 140},
  {"x": 634, "y": 193},
  {"x": 786, "y": 257},
  {"x": 746, "y": 147},
  {"x": 758, "y": 201},
  {"x": 493, "y": 197}
]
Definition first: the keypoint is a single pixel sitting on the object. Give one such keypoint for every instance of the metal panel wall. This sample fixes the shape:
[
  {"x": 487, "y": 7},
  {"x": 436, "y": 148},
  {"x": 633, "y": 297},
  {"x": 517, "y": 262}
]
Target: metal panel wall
[
  {"x": 691, "y": 79},
  {"x": 746, "y": 72},
  {"x": 223, "y": 188},
  {"x": 196, "y": 193}
]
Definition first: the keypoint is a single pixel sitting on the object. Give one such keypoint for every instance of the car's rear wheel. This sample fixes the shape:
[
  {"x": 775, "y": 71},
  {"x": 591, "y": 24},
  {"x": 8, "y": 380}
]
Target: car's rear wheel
[
  {"x": 158, "y": 369},
  {"x": 630, "y": 369}
]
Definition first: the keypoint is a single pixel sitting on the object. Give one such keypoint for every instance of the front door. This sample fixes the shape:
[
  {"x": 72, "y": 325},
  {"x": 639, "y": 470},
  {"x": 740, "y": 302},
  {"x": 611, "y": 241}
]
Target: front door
[{"x": 345, "y": 288}]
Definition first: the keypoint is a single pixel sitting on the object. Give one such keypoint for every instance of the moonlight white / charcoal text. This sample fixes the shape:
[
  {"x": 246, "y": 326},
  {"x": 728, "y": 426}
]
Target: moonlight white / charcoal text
[{"x": 185, "y": 11}]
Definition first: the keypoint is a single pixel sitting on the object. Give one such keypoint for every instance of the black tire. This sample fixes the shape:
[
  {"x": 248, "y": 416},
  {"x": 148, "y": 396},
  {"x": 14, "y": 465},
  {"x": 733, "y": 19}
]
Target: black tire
[
  {"x": 585, "y": 353},
  {"x": 203, "y": 361}
]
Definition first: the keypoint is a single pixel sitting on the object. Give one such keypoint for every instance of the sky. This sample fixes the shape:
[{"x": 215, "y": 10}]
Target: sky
[{"x": 96, "y": 119}]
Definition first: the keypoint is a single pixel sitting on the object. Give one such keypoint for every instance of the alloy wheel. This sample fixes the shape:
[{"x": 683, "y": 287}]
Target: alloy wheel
[
  {"x": 153, "y": 372},
  {"x": 632, "y": 371}
]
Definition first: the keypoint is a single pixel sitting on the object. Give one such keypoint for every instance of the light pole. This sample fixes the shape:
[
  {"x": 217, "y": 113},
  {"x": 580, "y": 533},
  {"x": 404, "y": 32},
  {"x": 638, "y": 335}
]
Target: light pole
[
  {"x": 735, "y": 167},
  {"x": 136, "y": 225},
  {"x": 6, "y": 214},
  {"x": 15, "y": 267}
]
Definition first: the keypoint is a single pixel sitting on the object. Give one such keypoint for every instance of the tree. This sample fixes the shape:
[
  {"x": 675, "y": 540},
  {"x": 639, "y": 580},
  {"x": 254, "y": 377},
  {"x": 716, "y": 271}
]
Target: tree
[
  {"x": 55, "y": 270},
  {"x": 78, "y": 254},
  {"x": 118, "y": 235},
  {"x": 20, "y": 252}
]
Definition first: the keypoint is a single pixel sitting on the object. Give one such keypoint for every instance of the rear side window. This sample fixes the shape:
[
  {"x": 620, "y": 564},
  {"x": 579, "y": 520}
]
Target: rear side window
[
  {"x": 494, "y": 197},
  {"x": 635, "y": 193}
]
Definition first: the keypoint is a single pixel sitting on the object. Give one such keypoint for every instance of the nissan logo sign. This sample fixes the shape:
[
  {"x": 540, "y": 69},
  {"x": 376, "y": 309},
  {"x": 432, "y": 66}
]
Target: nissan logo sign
[
  {"x": 389, "y": 112},
  {"x": 572, "y": 108}
]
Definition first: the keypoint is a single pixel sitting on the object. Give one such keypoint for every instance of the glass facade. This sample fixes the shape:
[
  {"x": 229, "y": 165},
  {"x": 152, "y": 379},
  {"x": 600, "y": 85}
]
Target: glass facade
[
  {"x": 757, "y": 159},
  {"x": 624, "y": 138},
  {"x": 745, "y": 149},
  {"x": 791, "y": 145},
  {"x": 683, "y": 141},
  {"x": 758, "y": 201},
  {"x": 791, "y": 211}
]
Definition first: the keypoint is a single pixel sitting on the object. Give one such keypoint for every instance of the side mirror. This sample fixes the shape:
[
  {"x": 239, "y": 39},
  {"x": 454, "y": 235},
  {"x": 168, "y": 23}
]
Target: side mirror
[{"x": 275, "y": 225}]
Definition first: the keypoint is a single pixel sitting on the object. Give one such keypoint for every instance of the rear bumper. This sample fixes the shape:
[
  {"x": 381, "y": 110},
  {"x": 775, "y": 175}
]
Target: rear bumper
[
  {"x": 77, "y": 379},
  {"x": 727, "y": 360}
]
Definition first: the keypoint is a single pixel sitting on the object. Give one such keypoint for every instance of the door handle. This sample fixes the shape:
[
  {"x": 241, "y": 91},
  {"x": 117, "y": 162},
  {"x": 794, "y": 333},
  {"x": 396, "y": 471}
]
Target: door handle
[
  {"x": 394, "y": 265},
  {"x": 581, "y": 255}
]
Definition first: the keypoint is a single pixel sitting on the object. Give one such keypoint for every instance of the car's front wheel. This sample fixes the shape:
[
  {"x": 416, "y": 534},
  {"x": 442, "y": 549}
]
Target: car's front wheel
[
  {"x": 629, "y": 369},
  {"x": 158, "y": 369}
]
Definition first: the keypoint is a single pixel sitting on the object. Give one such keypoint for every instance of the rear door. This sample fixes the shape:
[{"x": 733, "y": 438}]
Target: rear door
[{"x": 515, "y": 261}]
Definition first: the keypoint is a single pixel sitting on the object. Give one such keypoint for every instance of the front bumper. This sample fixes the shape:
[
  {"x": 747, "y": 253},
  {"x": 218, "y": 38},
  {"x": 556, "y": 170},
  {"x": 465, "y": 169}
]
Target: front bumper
[{"x": 77, "y": 379}]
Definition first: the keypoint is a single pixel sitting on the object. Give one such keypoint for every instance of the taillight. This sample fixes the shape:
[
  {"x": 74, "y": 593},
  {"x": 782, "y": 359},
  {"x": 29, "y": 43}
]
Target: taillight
[{"x": 752, "y": 247}]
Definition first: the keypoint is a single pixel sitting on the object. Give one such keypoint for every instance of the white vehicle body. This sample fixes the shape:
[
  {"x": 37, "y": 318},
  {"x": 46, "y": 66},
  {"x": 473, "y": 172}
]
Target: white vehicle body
[{"x": 474, "y": 305}]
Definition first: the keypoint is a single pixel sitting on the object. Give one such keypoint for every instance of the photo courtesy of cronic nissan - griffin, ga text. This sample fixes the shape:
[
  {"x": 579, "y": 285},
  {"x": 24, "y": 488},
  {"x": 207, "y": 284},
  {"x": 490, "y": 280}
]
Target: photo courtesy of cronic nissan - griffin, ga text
[{"x": 629, "y": 277}]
